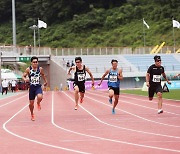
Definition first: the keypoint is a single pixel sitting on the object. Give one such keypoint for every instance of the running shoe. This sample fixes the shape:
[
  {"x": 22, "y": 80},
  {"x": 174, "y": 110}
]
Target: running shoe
[
  {"x": 32, "y": 117},
  {"x": 160, "y": 111},
  {"x": 76, "y": 107},
  {"x": 81, "y": 100},
  {"x": 110, "y": 100},
  {"x": 38, "y": 107},
  {"x": 113, "y": 111}
]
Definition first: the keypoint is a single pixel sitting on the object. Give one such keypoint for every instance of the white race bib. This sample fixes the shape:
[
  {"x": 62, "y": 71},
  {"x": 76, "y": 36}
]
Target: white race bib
[
  {"x": 81, "y": 77},
  {"x": 113, "y": 78},
  {"x": 156, "y": 78},
  {"x": 34, "y": 80}
]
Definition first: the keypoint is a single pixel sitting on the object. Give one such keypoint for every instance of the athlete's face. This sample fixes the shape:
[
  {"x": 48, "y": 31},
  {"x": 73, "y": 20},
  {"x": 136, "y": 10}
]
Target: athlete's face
[
  {"x": 158, "y": 63},
  {"x": 114, "y": 65},
  {"x": 78, "y": 63},
  {"x": 34, "y": 63}
]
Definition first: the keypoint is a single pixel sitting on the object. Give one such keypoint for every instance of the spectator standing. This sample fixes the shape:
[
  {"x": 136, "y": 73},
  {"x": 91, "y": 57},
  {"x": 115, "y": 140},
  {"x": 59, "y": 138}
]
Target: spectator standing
[
  {"x": 4, "y": 86},
  {"x": 13, "y": 85}
]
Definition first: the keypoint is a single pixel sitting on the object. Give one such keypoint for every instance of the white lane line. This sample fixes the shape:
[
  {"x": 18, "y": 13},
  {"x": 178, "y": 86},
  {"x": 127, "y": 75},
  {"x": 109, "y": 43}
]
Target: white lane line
[
  {"x": 85, "y": 140},
  {"x": 163, "y": 98},
  {"x": 135, "y": 114},
  {"x": 144, "y": 98},
  {"x": 35, "y": 141},
  {"x": 13, "y": 101},
  {"x": 150, "y": 101},
  {"x": 135, "y": 103},
  {"x": 12, "y": 96},
  {"x": 133, "y": 130},
  {"x": 102, "y": 138}
]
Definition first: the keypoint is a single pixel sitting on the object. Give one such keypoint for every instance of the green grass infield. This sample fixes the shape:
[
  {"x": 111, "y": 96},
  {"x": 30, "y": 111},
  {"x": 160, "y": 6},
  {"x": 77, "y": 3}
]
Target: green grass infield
[{"x": 172, "y": 94}]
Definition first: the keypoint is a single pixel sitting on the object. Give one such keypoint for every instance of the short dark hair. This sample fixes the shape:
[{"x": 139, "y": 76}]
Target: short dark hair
[
  {"x": 156, "y": 57},
  {"x": 78, "y": 58},
  {"x": 34, "y": 57},
  {"x": 114, "y": 60}
]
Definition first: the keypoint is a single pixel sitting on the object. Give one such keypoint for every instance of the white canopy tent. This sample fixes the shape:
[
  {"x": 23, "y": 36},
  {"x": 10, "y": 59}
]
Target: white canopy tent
[{"x": 8, "y": 74}]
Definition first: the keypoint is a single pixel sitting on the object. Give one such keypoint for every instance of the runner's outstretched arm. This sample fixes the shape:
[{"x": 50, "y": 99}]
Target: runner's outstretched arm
[
  {"x": 102, "y": 78},
  {"x": 164, "y": 75},
  {"x": 43, "y": 76},
  {"x": 25, "y": 74},
  {"x": 90, "y": 74},
  {"x": 120, "y": 76},
  {"x": 147, "y": 79},
  {"x": 70, "y": 69}
]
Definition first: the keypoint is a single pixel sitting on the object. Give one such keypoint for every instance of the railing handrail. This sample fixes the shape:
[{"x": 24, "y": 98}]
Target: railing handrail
[{"x": 28, "y": 50}]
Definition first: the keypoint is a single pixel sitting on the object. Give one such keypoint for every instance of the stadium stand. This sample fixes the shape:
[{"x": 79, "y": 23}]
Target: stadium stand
[
  {"x": 142, "y": 62},
  {"x": 99, "y": 64},
  {"x": 132, "y": 65}
]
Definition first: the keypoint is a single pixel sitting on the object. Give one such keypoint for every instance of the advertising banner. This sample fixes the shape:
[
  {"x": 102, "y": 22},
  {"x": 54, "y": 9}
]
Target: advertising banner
[
  {"x": 174, "y": 85},
  {"x": 88, "y": 85}
]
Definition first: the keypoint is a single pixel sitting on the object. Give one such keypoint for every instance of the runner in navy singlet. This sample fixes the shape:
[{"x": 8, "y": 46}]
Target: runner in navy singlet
[
  {"x": 34, "y": 72},
  {"x": 114, "y": 77},
  {"x": 79, "y": 79},
  {"x": 153, "y": 81}
]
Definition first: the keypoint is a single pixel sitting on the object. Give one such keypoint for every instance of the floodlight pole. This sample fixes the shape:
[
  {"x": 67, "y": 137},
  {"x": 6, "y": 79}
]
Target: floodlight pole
[
  {"x": 14, "y": 25},
  {"x": 34, "y": 27}
]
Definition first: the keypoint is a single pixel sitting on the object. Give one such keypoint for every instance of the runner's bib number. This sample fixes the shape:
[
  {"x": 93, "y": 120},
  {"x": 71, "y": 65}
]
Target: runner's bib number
[
  {"x": 156, "y": 78},
  {"x": 34, "y": 80},
  {"x": 113, "y": 78},
  {"x": 81, "y": 77}
]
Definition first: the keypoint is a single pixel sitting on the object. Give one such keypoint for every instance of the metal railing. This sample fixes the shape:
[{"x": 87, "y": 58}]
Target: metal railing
[{"x": 28, "y": 50}]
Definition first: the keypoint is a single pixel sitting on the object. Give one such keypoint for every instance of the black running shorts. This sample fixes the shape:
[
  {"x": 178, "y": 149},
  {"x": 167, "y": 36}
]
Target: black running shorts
[
  {"x": 34, "y": 91},
  {"x": 115, "y": 89},
  {"x": 80, "y": 86},
  {"x": 154, "y": 89}
]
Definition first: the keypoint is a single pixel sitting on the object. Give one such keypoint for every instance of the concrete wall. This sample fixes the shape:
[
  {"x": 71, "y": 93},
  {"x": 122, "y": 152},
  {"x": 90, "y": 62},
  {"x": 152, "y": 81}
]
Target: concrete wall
[
  {"x": 132, "y": 83},
  {"x": 46, "y": 72},
  {"x": 57, "y": 75}
]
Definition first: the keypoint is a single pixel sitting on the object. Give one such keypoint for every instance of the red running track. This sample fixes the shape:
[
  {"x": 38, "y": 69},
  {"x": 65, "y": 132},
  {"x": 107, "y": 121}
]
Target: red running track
[{"x": 136, "y": 128}]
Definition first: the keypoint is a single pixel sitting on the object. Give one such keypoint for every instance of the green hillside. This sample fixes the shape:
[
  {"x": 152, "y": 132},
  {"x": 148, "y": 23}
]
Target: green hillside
[{"x": 92, "y": 23}]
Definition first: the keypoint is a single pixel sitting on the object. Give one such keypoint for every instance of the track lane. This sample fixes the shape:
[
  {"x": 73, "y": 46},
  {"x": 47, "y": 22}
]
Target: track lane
[
  {"x": 37, "y": 134},
  {"x": 111, "y": 128},
  {"x": 44, "y": 131},
  {"x": 145, "y": 111}
]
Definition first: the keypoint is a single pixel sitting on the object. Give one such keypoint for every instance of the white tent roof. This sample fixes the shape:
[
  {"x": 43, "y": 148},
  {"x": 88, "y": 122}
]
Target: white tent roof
[{"x": 8, "y": 76}]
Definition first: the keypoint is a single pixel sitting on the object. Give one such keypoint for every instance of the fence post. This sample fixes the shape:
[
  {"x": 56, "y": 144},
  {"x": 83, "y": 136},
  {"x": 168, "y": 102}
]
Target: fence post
[
  {"x": 68, "y": 52},
  {"x": 62, "y": 51},
  {"x": 87, "y": 51},
  {"x": 56, "y": 51},
  {"x": 74, "y": 51}
]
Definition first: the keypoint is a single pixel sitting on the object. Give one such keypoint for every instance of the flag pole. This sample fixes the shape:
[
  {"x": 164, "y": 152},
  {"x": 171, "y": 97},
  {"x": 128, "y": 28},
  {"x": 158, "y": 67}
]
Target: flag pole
[
  {"x": 144, "y": 35},
  {"x": 38, "y": 33},
  {"x": 174, "y": 37}
]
